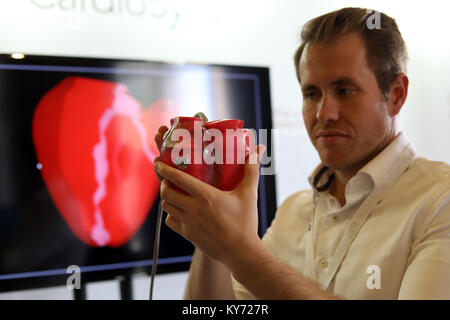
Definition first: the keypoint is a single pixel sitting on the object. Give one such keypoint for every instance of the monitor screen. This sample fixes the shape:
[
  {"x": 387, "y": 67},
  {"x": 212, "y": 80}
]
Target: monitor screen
[{"x": 77, "y": 185}]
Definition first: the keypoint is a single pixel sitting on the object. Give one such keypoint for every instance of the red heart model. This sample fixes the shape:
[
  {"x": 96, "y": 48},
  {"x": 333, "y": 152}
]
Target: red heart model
[
  {"x": 220, "y": 163},
  {"x": 95, "y": 145},
  {"x": 228, "y": 173}
]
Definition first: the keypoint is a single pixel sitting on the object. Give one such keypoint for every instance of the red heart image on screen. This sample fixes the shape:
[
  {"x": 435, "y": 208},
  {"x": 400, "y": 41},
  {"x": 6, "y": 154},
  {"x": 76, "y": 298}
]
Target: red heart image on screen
[{"x": 95, "y": 147}]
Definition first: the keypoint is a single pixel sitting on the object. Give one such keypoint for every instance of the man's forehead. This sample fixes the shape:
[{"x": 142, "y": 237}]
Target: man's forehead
[{"x": 344, "y": 57}]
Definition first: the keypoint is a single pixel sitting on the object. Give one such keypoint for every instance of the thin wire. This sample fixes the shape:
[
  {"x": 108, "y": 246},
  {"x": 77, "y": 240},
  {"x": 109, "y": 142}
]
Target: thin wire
[{"x": 156, "y": 247}]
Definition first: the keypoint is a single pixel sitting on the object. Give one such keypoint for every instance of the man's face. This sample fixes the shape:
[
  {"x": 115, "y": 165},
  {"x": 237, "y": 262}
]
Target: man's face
[{"x": 344, "y": 111}]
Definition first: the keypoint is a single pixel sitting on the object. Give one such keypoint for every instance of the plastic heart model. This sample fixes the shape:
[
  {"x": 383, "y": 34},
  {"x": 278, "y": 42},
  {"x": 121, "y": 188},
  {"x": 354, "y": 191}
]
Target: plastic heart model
[
  {"x": 214, "y": 152},
  {"x": 95, "y": 146}
]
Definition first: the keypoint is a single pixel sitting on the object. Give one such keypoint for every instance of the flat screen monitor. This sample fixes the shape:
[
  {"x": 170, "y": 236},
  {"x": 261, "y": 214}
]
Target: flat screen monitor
[{"x": 77, "y": 186}]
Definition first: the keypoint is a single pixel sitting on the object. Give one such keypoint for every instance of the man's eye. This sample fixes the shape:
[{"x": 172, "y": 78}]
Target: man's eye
[
  {"x": 345, "y": 91},
  {"x": 310, "y": 95}
]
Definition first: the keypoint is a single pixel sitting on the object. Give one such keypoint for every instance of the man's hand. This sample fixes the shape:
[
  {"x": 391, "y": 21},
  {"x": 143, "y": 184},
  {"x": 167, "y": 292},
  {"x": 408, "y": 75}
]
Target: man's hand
[{"x": 217, "y": 222}]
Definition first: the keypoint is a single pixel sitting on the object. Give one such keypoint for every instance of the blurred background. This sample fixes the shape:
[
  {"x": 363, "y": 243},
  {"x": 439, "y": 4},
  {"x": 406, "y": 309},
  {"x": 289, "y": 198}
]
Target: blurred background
[{"x": 234, "y": 32}]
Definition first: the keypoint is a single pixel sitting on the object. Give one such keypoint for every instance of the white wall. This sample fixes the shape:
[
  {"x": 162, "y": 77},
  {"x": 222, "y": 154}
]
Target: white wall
[{"x": 243, "y": 32}]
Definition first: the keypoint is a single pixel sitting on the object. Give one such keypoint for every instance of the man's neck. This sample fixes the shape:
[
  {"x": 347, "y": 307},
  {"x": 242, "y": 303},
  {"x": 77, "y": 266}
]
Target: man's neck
[
  {"x": 341, "y": 177},
  {"x": 338, "y": 187}
]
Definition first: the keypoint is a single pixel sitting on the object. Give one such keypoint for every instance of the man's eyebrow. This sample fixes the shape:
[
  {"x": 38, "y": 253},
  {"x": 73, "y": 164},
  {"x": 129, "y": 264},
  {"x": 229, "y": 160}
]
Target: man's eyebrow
[
  {"x": 338, "y": 81},
  {"x": 344, "y": 80},
  {"x": 309, "y": 87}
]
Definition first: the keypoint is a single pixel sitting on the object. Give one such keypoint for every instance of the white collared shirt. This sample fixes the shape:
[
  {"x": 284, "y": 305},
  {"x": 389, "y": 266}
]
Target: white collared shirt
[{"x": 391, "y": 239}]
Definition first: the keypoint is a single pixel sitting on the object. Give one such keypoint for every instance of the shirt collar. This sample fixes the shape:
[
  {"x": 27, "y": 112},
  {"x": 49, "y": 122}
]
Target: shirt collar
[{"x": 385, "y": 168}]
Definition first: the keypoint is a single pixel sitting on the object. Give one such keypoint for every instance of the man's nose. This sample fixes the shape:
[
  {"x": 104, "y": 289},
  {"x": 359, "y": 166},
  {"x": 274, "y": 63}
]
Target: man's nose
[{"x": 327, "y": 109}]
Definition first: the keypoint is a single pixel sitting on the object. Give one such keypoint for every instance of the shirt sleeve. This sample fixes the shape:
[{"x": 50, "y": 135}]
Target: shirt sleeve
[
  {"x": 240, "y": 292},
  {"x": 428, "y": 273}
]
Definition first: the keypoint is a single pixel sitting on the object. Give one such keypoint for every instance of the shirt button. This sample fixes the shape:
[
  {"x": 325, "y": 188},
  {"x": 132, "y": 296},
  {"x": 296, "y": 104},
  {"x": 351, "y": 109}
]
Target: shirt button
[{"x": 323, "y": 263}]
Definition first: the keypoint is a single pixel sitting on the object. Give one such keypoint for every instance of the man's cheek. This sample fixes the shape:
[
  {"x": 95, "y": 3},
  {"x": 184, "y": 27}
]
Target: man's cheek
[{"x": 309, "y": 120}]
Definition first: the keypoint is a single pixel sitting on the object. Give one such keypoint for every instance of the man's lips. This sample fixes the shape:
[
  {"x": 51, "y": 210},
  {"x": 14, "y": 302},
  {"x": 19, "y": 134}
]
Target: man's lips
[{"x": 330, "y": 136}]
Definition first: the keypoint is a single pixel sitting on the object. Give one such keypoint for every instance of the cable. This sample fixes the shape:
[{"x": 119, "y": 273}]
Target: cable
[{"x": 156, "y": 247}]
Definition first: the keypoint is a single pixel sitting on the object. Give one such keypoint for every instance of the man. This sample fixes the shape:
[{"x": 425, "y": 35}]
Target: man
[{"x": 376, "y": 224}]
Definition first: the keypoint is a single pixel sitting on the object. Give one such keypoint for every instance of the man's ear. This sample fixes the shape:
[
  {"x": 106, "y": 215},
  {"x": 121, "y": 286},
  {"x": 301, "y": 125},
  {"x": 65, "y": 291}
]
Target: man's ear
[{"x": 397, "y": 94}]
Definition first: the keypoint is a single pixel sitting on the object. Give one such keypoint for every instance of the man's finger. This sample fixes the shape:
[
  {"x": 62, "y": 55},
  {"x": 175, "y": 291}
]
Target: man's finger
[
  {"x": 188, "y": 183},
  {"x": 251, "y": 174},
  {"x": 173, "y": 211},
  {"x": 158, "y": 176},
  {"x": 175, "y": 197},
  {"x": 173, "y": 224},
  {"x": 159, "y": 136},
  {"x": 163, "y": 129}
]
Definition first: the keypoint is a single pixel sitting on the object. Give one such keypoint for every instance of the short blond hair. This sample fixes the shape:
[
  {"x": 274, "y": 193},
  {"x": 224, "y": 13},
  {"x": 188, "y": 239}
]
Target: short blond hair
[{"x": 386, "y": 50}]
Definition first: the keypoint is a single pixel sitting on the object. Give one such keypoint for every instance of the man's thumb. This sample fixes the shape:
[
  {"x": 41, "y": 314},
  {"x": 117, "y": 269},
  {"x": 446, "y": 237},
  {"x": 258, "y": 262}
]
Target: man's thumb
[{"x": 252, "y": 164}]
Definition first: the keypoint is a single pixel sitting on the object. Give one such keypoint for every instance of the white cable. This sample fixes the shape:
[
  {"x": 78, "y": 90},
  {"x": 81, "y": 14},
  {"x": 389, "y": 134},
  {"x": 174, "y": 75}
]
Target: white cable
[{"x": 156, "y": 247}]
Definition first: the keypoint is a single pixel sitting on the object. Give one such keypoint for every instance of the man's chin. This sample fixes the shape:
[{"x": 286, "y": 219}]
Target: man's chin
[
  {"x": 331, "y": 159},
  {"x": 342, "y": 164},
  {"x": 335, "y": 163}
]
